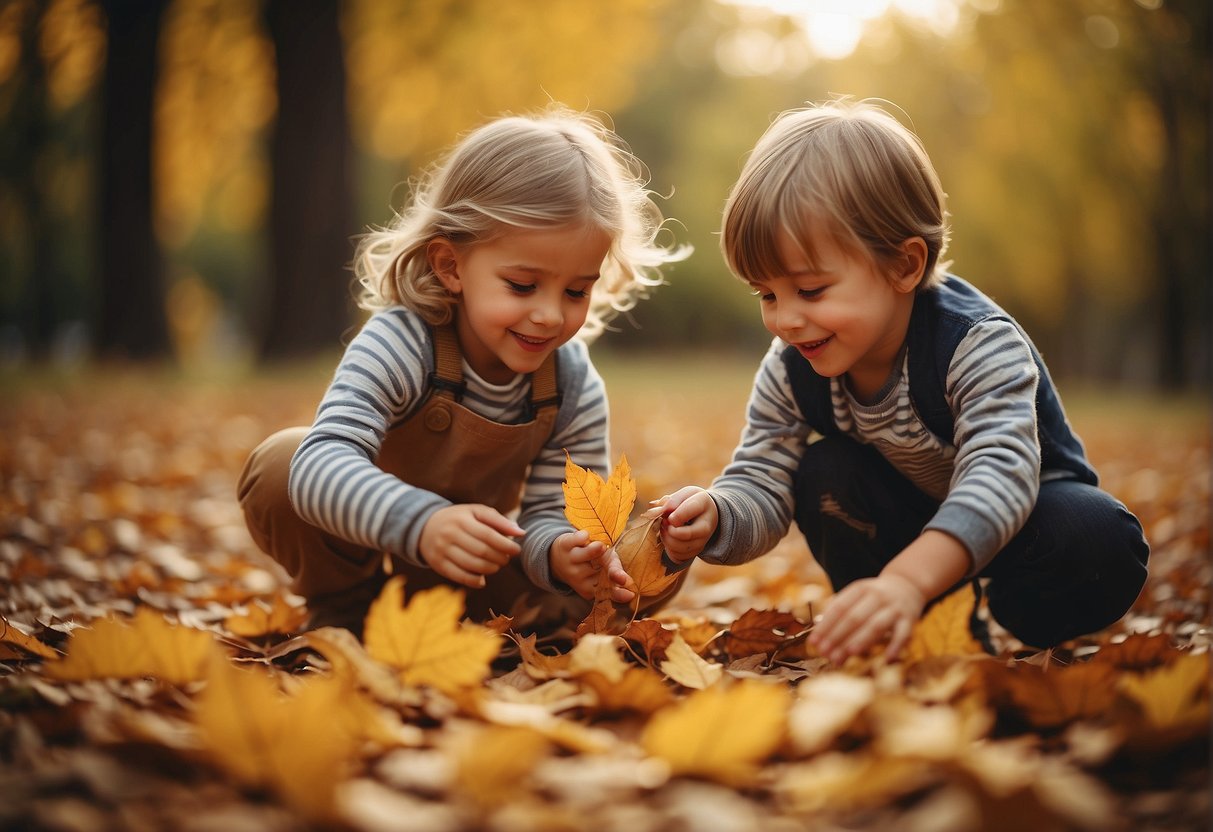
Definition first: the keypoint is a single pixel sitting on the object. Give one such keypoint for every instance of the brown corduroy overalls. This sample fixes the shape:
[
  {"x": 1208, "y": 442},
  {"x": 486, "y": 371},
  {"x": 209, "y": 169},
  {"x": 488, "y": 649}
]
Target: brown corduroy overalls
[{"x": 442, "y": 447}]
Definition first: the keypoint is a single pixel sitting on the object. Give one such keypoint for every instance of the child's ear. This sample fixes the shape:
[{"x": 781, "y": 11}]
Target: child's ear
[
  {"x": 911, "y": 265},
  {"x": 445, "y": 263}
]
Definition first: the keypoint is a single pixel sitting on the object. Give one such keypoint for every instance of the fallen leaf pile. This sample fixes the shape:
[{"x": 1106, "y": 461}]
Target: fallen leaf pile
[{"x": 154, "y": 675}]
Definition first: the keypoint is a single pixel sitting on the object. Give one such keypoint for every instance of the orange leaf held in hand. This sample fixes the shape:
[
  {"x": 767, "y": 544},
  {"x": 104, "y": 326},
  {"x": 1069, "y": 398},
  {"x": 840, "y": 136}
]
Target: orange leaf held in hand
[
  {"x": 639, "y": 550},
  {"x": 598, "y": 507}
]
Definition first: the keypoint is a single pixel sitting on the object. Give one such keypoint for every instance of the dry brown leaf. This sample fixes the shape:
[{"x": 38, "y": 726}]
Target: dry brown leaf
[
  {"x": 639, "y": 690},
  {"x": 425, "y": 641},
  {"x": 598, "y": 653},
  {"x": 11, "y": 634},
  {"x": 639, "y": 550},
  {"x": 605, "y": 617},
  {"x": 760, "y": 631},
  {"x": 652, "y": 637},
  {"x": 146, "y": 645},
  {"x": 1056, "y": 696},
  {"x": 1139, "y": 652},
  {"x": 722, "y": 733},
  {"x": 687, "y": 668},
  {"x": 541, "y": 665},
  {"x": 944, "y": 630},
  {"x": 597, "y": 507}
]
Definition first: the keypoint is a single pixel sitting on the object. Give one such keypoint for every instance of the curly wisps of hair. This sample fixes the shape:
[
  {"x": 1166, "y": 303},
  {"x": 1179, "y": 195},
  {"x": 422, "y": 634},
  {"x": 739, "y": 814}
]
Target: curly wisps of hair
[{"x": 552, "y": 169}]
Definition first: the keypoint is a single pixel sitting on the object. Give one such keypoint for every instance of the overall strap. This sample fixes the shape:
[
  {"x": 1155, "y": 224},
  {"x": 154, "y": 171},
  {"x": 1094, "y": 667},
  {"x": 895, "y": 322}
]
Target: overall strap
[
  {"x": 447, "y": 378},
  {"x": 545, "y": 389}
]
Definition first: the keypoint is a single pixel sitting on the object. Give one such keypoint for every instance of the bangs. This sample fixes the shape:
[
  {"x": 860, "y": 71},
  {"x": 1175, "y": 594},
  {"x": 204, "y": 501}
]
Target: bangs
[{"x": 759, "y": 216}]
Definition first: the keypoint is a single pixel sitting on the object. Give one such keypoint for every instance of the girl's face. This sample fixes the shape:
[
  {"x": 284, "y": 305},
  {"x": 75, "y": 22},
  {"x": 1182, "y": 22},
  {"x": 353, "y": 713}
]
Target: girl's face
[
  {"x": 521, "y": 294},
  {"x": 845, "y": 317}
]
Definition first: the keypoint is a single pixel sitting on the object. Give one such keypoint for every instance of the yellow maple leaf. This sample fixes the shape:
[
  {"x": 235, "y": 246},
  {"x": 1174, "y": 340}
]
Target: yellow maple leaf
[
  {"x": 146, "y": 645},
  {"x": 1174, "y": 696},
  {"x": 10, "y": 634},
  {"x": 687, "y": 668},
  {"x": 263, "y": 619},
  {"x": 598, "y": 507},
  {"x": 295, "y": 745},
  {"x": 722, "y": 732},
  {"x": 944, "y": 630},
  {"x": 425, "y": 640}
]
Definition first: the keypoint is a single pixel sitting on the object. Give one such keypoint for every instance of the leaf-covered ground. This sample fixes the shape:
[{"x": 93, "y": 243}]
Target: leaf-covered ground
[{"x": 152, "y": 675}]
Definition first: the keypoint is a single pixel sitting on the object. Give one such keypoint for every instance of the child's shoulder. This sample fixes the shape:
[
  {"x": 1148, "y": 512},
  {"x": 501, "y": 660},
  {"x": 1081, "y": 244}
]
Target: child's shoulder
[{"x": 956, "y": 298}]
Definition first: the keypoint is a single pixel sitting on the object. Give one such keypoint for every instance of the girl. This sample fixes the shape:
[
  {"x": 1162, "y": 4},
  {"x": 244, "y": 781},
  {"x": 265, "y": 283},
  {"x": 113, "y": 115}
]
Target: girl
[{"x": 457, "y": 401}]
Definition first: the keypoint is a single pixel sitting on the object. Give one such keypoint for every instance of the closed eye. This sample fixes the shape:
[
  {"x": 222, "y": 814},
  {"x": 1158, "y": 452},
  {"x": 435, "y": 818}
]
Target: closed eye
[
  {"x": 520, "y": 288},
  {"x": 577, "y": 294},
  {"x": 811, "y": 293}
]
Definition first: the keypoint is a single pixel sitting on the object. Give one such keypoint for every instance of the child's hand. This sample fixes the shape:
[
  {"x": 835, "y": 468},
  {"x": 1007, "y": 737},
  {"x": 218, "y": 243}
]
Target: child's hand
[
  {"x": 577, "y": 562},
  {"x": 865, "y": 612},
  {"x": 689, "y": 521},
  {"x": 465, "y": 542}
]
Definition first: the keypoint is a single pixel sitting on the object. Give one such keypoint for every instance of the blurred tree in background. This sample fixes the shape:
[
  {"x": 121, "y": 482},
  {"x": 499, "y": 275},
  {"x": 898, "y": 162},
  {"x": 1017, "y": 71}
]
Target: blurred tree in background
[{"x": 1073, "y": 139}]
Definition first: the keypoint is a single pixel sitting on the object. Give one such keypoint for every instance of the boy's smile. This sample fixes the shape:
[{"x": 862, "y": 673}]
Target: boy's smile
[{"x": 838, "y": 309}]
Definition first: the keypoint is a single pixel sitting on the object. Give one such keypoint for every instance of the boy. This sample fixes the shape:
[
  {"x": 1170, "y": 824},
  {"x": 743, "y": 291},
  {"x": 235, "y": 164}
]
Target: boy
[{"x": 945, "y": 452}]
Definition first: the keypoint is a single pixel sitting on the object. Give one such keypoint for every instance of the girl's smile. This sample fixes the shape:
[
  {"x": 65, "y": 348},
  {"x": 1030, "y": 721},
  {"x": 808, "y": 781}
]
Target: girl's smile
[{"x": 521, "y": 294}]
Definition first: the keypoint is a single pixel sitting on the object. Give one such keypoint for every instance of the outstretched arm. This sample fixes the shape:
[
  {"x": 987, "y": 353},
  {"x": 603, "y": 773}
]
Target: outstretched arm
[{"x": 872, "y": 609}]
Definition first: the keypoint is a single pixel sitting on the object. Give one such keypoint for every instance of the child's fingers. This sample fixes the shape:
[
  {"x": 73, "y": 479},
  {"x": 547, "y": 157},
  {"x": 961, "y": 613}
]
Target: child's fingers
[
  {"x": 497, "y": 521},
  {"x": 684, "y": 505},
  {"x": 454, "y": 572},
  {"x": 901, "y": 636},
  {"x": 622, "y": 595},
  {"x": 588, "y": 553}
]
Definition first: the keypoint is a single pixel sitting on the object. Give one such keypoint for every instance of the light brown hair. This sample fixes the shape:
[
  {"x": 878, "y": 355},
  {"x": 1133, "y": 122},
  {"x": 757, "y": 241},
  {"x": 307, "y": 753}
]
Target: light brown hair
[{"x": 849, "y": 167}]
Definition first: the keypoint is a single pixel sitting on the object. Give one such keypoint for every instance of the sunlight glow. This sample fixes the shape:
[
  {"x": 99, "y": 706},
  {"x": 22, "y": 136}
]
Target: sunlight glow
[{"x": 834, "y": 28}]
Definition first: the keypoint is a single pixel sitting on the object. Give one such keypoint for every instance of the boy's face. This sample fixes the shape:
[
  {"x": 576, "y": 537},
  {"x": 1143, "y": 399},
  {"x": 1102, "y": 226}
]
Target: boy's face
[
  {"x": 844, "y": 316},
  {"x": 521, "y": 295}
]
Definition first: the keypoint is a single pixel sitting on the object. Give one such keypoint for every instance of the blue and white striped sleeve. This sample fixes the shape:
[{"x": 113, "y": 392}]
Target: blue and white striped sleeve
[
  {"x": 586, "y": 438},
  {"x": 991, "y": 388},
  {"x": 754, "y": 493},
  {"x": 334, "y": 482}
]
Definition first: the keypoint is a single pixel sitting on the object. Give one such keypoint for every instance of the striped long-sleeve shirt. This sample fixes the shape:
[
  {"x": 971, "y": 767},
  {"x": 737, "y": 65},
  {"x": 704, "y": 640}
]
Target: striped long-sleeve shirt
[
  {"x": 382, "y": 378},
  {"x": 987, "y": 481}
]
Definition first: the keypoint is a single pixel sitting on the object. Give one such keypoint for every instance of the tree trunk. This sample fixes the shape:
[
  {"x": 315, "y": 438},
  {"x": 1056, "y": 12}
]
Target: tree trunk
[
  {"x": 311, "y": 208},
  {"x": 133, "y": 323}
]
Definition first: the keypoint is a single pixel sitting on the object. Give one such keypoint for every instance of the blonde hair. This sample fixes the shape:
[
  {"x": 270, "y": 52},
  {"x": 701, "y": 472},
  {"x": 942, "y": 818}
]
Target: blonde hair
[
  {"x": 848, "y": 166},
  {"x": 552, "y": 169}
]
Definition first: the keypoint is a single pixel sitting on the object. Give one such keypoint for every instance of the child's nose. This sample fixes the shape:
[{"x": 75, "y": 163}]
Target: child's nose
[
  {"x": 788, "y": 318},
  {"x": 545, "y": 313}
]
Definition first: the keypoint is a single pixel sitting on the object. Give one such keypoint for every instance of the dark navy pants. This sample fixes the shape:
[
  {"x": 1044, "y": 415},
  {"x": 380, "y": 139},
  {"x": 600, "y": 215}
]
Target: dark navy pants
[{"x": 1075, "y": 567}]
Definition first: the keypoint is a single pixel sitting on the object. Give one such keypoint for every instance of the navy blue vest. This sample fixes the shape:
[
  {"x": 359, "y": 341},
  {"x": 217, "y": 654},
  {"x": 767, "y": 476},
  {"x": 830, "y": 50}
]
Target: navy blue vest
[{"x": 941, "y": 318}]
